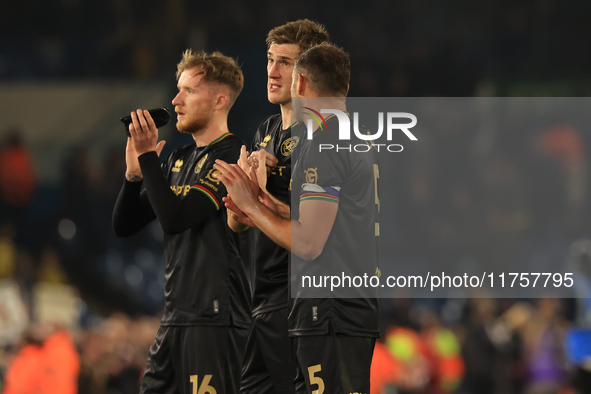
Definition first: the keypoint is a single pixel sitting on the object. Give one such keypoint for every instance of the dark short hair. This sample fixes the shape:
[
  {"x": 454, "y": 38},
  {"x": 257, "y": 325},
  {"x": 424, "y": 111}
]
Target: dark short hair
[
  {"x": 328, "y": 69},
  {"x": 217, "y": 68},
  {"x": 303, "y": 32}
]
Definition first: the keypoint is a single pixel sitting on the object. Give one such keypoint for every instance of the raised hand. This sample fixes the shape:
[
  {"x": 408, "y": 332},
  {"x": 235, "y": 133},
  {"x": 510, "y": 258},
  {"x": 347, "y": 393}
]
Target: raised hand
[
  {"x": 243, "y": 160},
  {"x": 263, "y": 171},
  {"x": 263, "y": 157},
  {"x": 144, "y": 134},
  {"x": 236, "y": 213},
  {"x": 243, "y": 191}
]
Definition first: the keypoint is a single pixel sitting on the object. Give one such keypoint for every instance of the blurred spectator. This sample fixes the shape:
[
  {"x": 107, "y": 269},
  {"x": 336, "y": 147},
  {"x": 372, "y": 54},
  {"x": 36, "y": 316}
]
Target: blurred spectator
[
  {"x": 14, "y": 316},
  {"x": 544, "y": 349},
  {"x": 444, "y": 354},
  {"x": 50, "y": 269},
  {"x": 7, "y": 250},
  {"x": 17, "y": 177},
  {"x": 478, "y": 350},
  {"x": 81, "y": 180},
  {"x": 47, "y": 364},
  {"x": 24, "y": 275},
  {"x": 113, "y": 354},
  {"x": 401, "y": 361},
  {"x": 564, "y": 145}
]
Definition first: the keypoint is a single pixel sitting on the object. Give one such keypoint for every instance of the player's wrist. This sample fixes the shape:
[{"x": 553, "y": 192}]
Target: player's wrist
[
  {"x": 143, "y": 152},
  {"x": 252, "y": 208},
  {"x": 134, "y": 177}
]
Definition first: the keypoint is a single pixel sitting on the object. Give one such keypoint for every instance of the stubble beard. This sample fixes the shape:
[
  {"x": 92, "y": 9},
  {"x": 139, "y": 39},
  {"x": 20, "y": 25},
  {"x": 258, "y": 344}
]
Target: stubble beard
[
  {"x": 279, "y": 102},
  {"x": 194, "y": 126}
]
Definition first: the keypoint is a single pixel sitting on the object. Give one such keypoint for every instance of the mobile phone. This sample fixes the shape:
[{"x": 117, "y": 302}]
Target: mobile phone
[{"x": 161, "y": 117}]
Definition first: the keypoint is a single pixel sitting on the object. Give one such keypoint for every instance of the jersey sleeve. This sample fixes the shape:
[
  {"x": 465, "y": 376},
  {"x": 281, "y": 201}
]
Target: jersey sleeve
[
  {"x": 262, "y": 136},
  {"x": 132, "y": 211},
  {"x": 322, "y": 176},
  {"x": 258, "y": 137},
  {"x": 174, "y": 213}
]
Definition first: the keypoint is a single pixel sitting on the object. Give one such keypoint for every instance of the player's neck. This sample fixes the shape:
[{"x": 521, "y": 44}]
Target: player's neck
[
  {"x": 339, "y": 103},
  {"x": 286, "y": 115},
  {"x": 210, "y": 133}
]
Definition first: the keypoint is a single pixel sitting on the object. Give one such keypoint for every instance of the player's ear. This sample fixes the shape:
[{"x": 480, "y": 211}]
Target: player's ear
[
  {"x": 302, "y": 85},
  {"x": 221, "y": 101}
]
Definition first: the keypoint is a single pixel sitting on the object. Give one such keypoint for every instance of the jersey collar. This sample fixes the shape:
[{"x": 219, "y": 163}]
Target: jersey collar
[{"x": 215, "y": 141}]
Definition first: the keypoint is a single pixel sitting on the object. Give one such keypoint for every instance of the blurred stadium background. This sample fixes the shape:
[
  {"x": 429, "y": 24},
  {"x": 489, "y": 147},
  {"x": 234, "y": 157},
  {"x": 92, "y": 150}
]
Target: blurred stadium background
[{"x": 70, "y": 68}]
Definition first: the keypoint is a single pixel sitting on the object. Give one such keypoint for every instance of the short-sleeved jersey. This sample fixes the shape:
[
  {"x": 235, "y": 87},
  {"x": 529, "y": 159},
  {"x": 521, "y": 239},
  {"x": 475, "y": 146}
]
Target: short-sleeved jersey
[
  {"x": 206, "y": 281},
  {"x": 348, "y": 178},
  {"x": 269, "y": 264}
]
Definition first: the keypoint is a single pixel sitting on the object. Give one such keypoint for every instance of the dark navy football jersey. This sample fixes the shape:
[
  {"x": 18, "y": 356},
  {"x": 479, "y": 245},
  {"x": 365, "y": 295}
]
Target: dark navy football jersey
[
  {"x": 206, "y": 281},
  {"x": 348, "y": 178},
  {"x": 269, "y": 265}
]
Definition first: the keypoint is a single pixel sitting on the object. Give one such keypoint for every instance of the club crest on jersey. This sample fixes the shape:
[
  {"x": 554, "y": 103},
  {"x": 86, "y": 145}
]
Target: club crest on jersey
[
  {"x": 265, "y": 141},
  {"x": 289, "y": 145},
  {"x": 210, "y": 176},
  {"x": 177, "y": 166},
  {"x": 311, "y": 175},
  {"x": 200, "y": 164}
]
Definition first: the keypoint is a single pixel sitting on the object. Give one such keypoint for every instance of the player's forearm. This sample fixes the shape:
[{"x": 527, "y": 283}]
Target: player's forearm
[
  {"x": 277, "y": 228},
  {"x": 283, "y": 209},
  {"x": 129, "y": 216},
  {"x": 174, "y": 214},
  {"x": 289, "y": 234}
]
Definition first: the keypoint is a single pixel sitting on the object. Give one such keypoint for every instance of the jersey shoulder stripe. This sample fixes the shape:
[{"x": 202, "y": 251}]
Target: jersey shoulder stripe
[
  {"x": 319, "y": 196},
  {"x": 209, "y": 194}
]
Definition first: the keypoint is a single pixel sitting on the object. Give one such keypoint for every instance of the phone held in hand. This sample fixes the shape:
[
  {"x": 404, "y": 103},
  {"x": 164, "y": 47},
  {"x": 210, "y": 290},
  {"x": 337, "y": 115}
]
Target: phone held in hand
[{"x": 161, "y": 117}]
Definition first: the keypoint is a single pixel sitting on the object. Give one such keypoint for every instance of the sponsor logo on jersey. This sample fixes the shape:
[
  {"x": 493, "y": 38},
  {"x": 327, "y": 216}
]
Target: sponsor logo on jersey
[
  {"x": 210, "y": 176},
  {"x": 265, "y": 141},
  {"x": 181, "y": 189},
  {"x": 278, "y": 170},
  {"x": 208, "y": 184},
  {"x": 177, "y": 166},
  {"x": 289, "y": 145},
  {"x": 200, "y": 163},
  {"x": 311, "y": 175}
]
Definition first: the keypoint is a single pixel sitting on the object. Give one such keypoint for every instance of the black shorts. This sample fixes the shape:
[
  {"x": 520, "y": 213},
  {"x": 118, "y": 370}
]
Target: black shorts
[
  {"x": 181, "y": 358},
  {"x": 333, "y": 363},
  {"x": 269, "y": 367}
]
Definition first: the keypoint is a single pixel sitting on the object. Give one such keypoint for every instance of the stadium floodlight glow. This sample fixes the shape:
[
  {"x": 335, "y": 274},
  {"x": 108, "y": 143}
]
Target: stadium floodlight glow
[{"x": 66, "y": 229}]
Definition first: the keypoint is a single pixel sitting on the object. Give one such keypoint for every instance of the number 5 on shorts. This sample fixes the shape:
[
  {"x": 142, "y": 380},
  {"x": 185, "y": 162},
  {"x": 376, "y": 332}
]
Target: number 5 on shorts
[
  {"x": 316, "y": 379},
  {"x": 205, "y": 387}
]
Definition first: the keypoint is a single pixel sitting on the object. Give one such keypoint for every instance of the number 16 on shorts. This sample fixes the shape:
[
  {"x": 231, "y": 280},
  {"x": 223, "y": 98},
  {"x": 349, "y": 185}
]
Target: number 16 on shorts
[{"x": 205, "y": 388}]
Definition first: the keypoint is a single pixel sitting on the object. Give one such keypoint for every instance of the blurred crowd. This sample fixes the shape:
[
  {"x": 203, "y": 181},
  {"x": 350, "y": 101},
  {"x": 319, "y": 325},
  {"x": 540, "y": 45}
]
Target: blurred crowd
[
  {"x": 492, "y": 346},
  {"x": 108, "y": 356},
  {"x": 398, "y": 48},
  {"x": 62, "y": 323}
]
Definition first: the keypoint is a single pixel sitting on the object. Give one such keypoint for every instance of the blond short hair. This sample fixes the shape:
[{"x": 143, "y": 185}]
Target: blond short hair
[{"x": 216, "y": 68}]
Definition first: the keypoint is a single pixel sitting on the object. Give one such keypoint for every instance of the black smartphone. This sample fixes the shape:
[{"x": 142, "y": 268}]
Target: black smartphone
[{"x": 161, "y": 117}]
